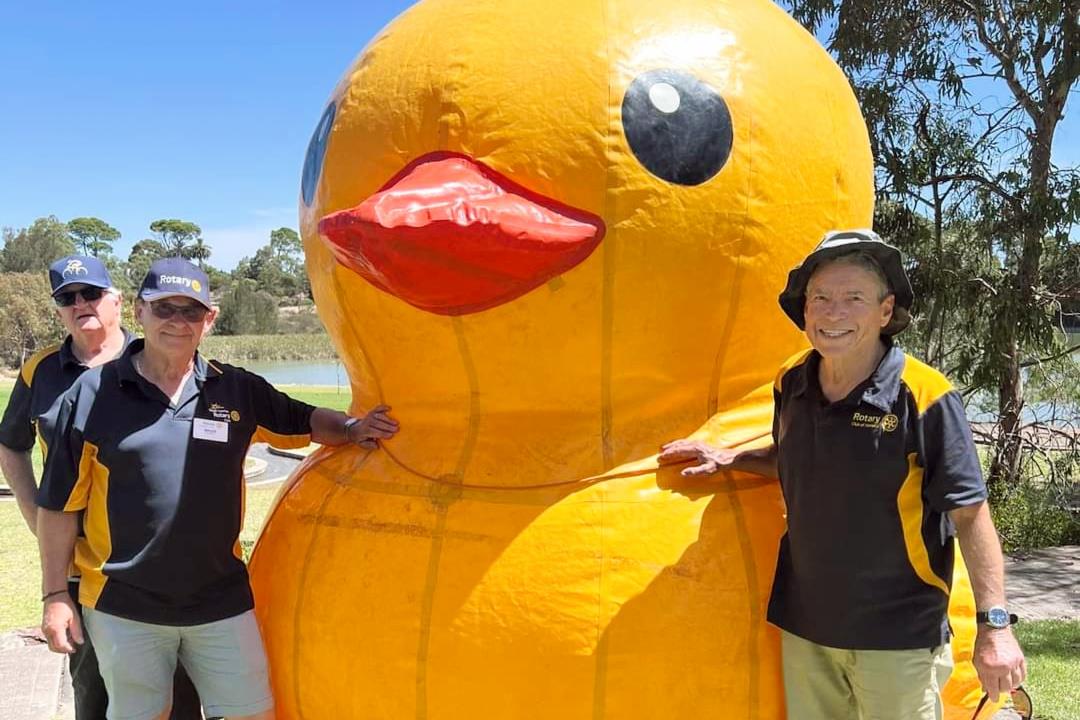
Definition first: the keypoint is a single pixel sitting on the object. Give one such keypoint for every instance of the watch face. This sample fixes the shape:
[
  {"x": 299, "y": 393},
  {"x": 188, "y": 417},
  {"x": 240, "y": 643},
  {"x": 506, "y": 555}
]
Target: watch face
[{"x": 997, "y": 617}]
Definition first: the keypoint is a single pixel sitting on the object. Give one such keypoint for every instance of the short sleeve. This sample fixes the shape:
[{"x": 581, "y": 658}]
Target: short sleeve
[
  {"x": 62, "y": 488},
  {"x": 953, "y": 477},
  {"x": 17, "y": 427},
  {"x": 282, "y": 421},
  {"x": 776, "y": 417}
]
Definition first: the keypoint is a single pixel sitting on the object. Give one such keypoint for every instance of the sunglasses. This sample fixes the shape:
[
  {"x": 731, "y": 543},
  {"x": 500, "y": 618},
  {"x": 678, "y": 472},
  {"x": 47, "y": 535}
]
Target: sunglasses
[
  {"x": 1021, "y": 704},
  {"x": 190, "y": 313},
  {"x": 67, "y": 299}
]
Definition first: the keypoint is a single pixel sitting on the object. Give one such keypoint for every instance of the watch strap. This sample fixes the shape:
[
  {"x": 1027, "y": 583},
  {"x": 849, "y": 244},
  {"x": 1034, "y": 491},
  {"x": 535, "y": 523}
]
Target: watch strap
[{"x": 983, "y": 617}]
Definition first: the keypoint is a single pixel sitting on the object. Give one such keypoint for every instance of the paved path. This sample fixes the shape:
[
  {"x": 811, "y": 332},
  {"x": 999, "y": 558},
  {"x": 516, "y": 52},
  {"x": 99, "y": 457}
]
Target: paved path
[{"x": 1044, "y": 584}]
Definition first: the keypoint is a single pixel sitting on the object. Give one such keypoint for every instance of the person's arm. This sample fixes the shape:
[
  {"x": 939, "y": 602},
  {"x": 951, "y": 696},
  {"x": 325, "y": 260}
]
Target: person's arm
[
  {"x": 56, "y": 542},
  {"x": 281, "y": 418},
  {"x": 17, "y": 439},
  {"x": 60, "y": 499},
  {"x": 330, "y": 427},
  {"x": 998, "y": 659},
  {"x": 708, "y": 460},
  {"x": 18, "y": 470}
]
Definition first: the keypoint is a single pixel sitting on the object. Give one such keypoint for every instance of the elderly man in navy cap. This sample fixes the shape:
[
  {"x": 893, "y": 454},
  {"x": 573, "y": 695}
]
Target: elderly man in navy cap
[
  {"x": 879, "y": 472},
  {"x": 89, "y": 307},
  {"x": 151, "y": 447}
]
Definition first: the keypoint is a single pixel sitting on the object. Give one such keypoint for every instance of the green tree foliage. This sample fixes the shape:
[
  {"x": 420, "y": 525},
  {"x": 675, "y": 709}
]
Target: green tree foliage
[
  {"x": 199, "y": 252},
  {"x": 34, "y": 248},
  {"x": 965, "y": 184},
  {"x": 142, "y": 254},
  {"x": 28, "y": 320},
  {"x": 179, "y": 238},
  {"x": 92, "y": 235},
  {"x": 278, "y": 267},
  {"x": 219, "y": 279},
  {"x": 247, "y": 310}
]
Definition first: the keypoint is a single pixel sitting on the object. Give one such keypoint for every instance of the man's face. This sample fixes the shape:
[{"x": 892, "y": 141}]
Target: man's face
[
  {"x": 181, "y": 331},
  {"x": 845, "y": 310},
  {"x": 89, "y": 316}
]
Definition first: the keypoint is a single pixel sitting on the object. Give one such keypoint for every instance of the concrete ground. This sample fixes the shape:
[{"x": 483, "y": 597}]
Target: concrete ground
[{"x": 34, "y": 685}]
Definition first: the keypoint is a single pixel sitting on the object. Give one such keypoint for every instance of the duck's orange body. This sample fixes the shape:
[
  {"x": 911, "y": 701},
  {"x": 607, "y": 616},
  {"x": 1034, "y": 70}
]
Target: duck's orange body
[{"x": 551, "y": 236}]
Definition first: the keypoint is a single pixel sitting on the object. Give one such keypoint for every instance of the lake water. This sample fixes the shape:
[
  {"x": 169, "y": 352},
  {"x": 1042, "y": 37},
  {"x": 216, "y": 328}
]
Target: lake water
[
  {"x": 301, "y": 372},
  {"x": 333, "y": 373}
]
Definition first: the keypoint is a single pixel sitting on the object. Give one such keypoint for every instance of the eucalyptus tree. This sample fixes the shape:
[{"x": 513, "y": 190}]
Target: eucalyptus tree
[{"x": 964, "y": 99}]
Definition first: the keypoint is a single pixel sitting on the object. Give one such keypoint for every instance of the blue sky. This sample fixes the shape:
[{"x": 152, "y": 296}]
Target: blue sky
[
  {"x": 196, "y": 110},
  {"x": 133, "y": 111}
]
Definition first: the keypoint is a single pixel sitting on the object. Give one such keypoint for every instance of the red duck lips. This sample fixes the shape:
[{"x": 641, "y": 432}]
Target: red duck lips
[{"x": 453, "y": 237}]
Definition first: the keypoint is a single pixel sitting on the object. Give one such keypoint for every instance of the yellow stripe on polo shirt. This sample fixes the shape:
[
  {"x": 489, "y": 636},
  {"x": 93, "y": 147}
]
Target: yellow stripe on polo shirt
[
  {"x": 792, "y": 362},
  {"x": 93, "y": 550},
  {"x": 926, "y": 384},
  {"x": 909, "y": 502},
  {"x": 30, "y": 366}
]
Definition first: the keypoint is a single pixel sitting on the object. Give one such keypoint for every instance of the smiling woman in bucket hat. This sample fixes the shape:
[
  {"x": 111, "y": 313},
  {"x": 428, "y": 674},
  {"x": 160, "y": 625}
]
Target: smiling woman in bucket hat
[{"x": 878, "y": 470}]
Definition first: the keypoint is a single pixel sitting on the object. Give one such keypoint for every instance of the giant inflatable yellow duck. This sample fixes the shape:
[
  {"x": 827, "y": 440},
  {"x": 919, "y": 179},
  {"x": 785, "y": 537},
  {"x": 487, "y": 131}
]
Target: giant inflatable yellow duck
[{"x": 551, "y": 234}]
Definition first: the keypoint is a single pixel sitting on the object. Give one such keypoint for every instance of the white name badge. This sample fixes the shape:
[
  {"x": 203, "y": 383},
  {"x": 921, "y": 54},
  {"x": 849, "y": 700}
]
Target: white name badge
[{"x": 213, "y": 430}]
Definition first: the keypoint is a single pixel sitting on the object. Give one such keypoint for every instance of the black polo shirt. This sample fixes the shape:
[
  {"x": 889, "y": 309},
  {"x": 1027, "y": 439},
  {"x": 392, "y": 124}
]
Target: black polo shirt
[
  {"x": 162, "y": 485},
  {"x": 44, "y": 377},
  {"x": 867, "y": 559}
]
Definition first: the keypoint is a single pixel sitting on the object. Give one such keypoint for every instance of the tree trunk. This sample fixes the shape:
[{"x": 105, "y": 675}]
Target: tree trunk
[{"x": 1005, "y": 468}]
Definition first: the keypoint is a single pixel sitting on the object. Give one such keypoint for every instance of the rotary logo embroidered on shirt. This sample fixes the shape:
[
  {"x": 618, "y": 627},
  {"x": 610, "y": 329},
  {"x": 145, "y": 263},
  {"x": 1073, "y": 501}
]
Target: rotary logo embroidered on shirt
[{"x": 888, "y": 423}]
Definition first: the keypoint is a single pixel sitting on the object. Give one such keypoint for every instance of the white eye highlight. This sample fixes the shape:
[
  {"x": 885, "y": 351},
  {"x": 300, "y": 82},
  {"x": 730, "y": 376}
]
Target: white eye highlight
[{"x": 664, "y": 97}]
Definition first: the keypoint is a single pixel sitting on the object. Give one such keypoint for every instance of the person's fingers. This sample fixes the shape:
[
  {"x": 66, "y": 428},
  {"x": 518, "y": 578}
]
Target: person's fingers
[
  {"x": 677, "y": 454},
  {"x": 705, "y": 468},
  {"x": 76, "y": 629},
  {"x": 369, "y": 444},
  {"x": 379, "y": 433},
  {"x": 57, "y": 639},
  {"x": 379, "y": 409},
  {"x": 384, "y": 424}
]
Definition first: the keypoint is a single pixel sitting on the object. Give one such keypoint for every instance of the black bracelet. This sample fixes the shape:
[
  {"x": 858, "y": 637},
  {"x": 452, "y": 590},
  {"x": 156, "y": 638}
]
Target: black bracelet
[{"x": 46, "y": 596}]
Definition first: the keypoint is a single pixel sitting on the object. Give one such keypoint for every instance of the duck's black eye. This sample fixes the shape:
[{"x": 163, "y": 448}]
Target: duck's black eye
[
  {"x": 315, "y": 152},
  {"x": 677, "y": 126}
]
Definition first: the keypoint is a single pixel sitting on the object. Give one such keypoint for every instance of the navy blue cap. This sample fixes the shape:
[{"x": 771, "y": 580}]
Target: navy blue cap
[
  {"x": 172, "y": 277},
  {"x": 78, "y": 270}
]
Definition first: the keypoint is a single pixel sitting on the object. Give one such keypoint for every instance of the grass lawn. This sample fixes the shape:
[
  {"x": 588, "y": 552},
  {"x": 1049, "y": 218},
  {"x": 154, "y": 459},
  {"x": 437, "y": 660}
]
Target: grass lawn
[{"x": 1052, "y": 648}]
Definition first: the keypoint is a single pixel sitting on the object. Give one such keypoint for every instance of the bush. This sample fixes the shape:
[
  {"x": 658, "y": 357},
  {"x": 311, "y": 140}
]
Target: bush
[
  {"x": 1035, "y": 514},
  {"x": 28, "y": 320},
  {"x": 246, "y": 310}
]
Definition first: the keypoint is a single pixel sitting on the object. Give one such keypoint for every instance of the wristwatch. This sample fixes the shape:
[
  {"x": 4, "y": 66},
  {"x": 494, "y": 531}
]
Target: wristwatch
[{"x": 996, "y": 617}]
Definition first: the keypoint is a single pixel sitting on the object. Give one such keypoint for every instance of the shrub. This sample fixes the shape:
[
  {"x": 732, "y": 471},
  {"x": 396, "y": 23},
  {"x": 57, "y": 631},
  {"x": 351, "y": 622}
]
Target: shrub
[
  {"x": 1035, "y": 514},
  {"x": 246, "y": 310},
  {"x": 28, "y": 320}
]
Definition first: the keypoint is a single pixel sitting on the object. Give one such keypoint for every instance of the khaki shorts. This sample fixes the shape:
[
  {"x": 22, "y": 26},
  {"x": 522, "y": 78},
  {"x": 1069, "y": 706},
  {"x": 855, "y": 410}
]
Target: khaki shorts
[
  {"x": 225, "y": 660},
  {"x": 823, "y": 683}
]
